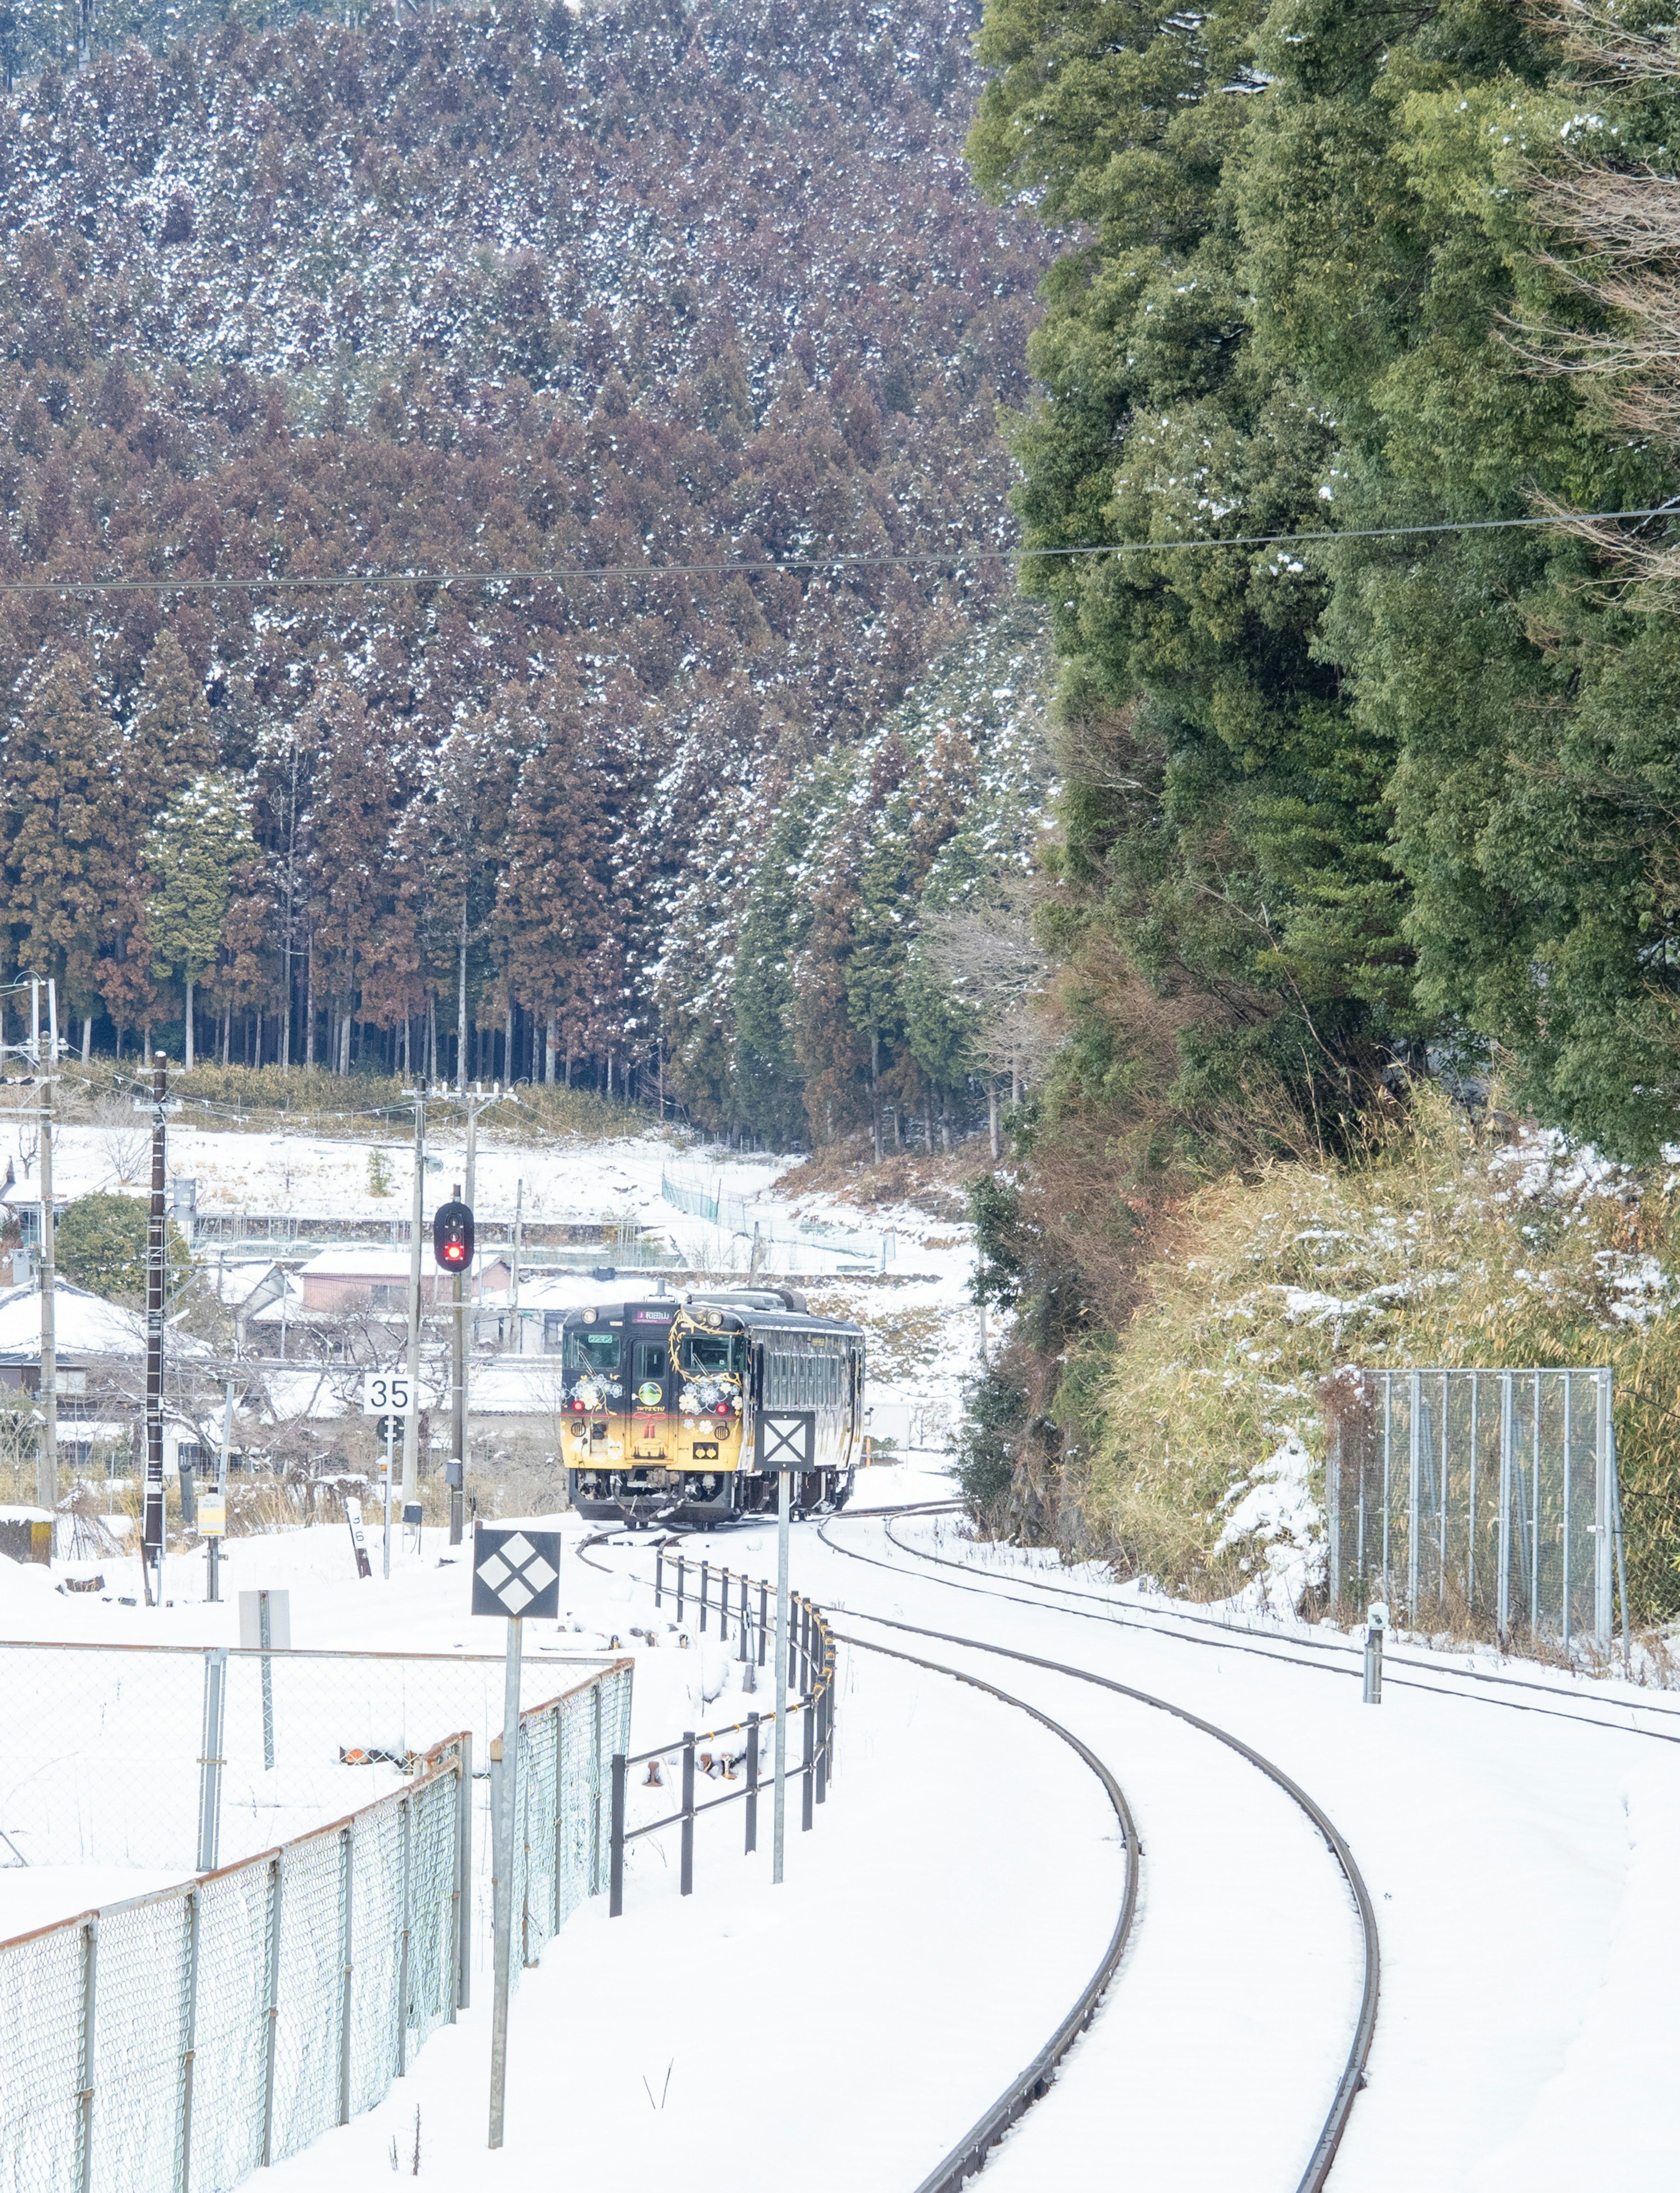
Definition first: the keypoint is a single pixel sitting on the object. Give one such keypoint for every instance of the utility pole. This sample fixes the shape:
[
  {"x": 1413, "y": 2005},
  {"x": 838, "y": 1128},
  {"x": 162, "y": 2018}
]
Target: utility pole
[
  {"x": 151, "y": 1513},
  {"x": 47, "y": 1458},
  {"x": 458, "y": 1384},
  {"x": 411, "y": 1421}
]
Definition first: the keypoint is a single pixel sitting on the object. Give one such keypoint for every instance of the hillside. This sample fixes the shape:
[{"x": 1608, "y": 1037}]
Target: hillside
[{"x": 529, "y": 290}]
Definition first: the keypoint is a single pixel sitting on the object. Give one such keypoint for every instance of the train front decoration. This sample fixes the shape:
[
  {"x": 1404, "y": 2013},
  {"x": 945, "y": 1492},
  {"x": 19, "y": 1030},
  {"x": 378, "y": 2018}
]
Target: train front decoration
[{"x": 663, "y": 1398}]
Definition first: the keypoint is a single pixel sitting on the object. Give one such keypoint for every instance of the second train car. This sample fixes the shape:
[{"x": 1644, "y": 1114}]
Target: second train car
[{"x": 663, "y": 1398}]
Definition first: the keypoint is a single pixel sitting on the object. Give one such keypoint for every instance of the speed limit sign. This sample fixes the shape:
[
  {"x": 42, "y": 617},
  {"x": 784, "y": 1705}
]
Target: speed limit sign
[{"x": 387, "y": 1393}]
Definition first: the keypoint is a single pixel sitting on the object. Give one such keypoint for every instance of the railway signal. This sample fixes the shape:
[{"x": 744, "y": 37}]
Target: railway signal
[{"x": 452, "y": 1245}]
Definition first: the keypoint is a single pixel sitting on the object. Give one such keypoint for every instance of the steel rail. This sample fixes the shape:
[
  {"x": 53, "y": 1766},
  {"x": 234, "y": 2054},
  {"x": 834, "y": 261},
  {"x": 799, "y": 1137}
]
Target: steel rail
[
  {"x": 1032, "y": 2083},
  {"x": 1353, "y": 2073},
  {"x": 1282, "y": 1650}
]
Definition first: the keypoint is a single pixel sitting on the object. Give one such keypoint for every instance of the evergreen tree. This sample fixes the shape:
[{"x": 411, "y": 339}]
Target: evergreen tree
[
  {"x": 58, "y": 815},
  {"x": 193, "y": 851}
]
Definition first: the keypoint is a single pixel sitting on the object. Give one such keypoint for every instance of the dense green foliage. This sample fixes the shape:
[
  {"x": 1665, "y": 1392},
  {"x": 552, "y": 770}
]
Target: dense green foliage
[
  {"x": 1332, "y": 806},
  {"x": 99, "y": 1244}
]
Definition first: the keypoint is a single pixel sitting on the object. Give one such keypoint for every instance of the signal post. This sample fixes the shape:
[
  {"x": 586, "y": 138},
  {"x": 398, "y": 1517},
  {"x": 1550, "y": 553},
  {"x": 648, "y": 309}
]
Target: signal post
[{"x": 452, "y": 1245}]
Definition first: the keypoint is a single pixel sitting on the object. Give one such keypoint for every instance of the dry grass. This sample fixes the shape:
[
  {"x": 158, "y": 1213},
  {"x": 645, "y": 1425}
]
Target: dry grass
[{"x": 1445, "y": 1246}]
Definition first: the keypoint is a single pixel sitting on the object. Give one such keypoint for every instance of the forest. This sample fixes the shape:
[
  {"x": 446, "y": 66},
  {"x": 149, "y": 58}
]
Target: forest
[
  {"x": 1362, "y": 328},
  {"x": 627, "y": 296}
]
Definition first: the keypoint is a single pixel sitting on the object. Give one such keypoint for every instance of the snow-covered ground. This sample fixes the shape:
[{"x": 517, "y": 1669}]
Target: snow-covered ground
[{"x": 846, "y": 2029}]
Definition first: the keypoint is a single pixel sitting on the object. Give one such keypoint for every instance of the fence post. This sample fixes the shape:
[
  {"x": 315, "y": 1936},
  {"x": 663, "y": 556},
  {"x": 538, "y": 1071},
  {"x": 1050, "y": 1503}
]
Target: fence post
[
  {"x": 346, "y": 1887},
  {"x": 658, "y": 1576},
  {"x": 554, "y": 1927},
  {"x": 596, "y": 1763},
  {"x": 688, "y": 1809},
  {"x": 746, "y": 1627},
  {"x": 1506, "y": 1428},
  {"x": 704, "y": 1568},
  {"x": 822, "y": 1739},
  {"x": 806, "y": 1792},
  {"x": 614, "y": 1903},
  {"x": 84, "y": 2158},
  {"x": 406, "y": 1814},
  {"x": 1414, "y": 1491},
  {"x": 723, "y": 1606},
  {"x": 524, "y": 1793},
  {"x": 463, "y": 1876},
  {"x": 270, "y": 2050},
  {"x": 752, "y": 1782},
  {"x": 763, "y": 1619},
  {"x": 210, "y": 1759},
  {"x": 190, "y": 2051},
  {"x": 682, "y": 1580}
]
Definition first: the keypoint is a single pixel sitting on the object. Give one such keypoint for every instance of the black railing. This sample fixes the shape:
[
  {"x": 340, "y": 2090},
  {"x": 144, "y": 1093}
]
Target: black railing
[{"x": 811, "y": 1678}]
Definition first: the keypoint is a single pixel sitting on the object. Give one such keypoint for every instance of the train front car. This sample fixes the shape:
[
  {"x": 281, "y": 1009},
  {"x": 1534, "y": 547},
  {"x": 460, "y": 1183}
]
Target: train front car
[{"x": 662, "y": 1401}]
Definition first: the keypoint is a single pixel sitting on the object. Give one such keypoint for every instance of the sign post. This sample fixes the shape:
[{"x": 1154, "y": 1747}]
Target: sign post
[
  {"x": 151, "y": 1511},
  {"x": 787, "y": 1441},
  {"x": 389, "y": 1394},
  {"x": 452, "y": 1250},
  {"x": 516, "y": 1574}
]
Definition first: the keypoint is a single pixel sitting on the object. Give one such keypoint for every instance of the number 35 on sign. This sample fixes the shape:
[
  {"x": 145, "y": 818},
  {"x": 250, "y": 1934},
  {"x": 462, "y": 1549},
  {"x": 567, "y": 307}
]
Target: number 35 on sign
[{"x": 387, "y": 1393}]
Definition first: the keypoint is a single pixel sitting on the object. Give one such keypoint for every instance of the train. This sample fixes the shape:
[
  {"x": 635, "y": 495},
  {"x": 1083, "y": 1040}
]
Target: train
[{"x": 669, "y": 1403}]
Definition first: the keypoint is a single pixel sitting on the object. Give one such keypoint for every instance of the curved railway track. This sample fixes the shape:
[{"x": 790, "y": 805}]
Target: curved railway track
[
  {"x": 1032, "y": 2083},
  {"x": 1326, "y": 1655}
]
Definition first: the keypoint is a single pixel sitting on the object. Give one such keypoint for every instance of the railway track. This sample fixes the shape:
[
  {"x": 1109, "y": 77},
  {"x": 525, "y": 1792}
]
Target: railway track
[
  {"x": 1327, "y": 1656},
  {"x": 1034, "y": 2081}
]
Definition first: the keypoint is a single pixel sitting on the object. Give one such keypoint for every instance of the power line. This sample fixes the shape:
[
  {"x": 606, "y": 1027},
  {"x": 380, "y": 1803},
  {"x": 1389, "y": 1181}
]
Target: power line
[{"x": 976, "y": 553}]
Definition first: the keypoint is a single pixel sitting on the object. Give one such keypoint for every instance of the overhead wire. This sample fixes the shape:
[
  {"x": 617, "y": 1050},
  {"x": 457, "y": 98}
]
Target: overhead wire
[{"x": 970, "y": 552}]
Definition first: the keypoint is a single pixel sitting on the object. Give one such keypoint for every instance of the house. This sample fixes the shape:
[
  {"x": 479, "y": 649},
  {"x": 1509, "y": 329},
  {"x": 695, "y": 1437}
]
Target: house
[
  {"x": 336, "y": 1281},
  {"x": 100, "y": 1349}
]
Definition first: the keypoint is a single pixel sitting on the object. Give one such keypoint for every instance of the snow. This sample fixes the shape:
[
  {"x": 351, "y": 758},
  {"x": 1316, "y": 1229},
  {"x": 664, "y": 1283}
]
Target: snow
[{"x": 84, "y": 1324}]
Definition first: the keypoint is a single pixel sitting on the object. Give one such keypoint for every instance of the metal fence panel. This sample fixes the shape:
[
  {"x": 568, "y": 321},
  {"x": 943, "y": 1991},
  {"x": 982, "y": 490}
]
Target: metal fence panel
[
  {"x": 139, "y": 2044},
  {"x": 1484, "y": 1494},
  {"x": 231, "y": 2029},
  {"x": 185, "y": 2039},
  {"x": 41, "y": 2004}
]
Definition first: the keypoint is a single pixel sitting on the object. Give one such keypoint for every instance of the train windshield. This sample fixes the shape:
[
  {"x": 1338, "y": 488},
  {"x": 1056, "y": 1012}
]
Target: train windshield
[
  {"x": 592, "y": 1347},
  {"x": 708, "y": 1354}
]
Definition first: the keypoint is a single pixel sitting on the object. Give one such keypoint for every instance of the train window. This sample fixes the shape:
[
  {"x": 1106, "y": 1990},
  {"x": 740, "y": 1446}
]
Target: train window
[
  {"x": 702, "y": 1354},
  {"x": 592, "y": 1347},
  {"x": 651, "y": 1358}
]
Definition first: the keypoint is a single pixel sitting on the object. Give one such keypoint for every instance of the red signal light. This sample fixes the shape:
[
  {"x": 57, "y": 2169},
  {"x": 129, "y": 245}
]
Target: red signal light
[{"x": 452, "y": 1235}]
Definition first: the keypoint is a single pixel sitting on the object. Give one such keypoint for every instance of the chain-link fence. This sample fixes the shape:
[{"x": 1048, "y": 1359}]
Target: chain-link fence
[
  {"x": 1489, "y": 1495},
  {"x": 188, "y": 2037}
]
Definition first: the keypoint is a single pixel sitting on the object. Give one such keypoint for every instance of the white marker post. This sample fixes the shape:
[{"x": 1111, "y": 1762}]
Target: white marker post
[
  {"x": 390, "y": 1395},
  {"x": 516, "y": 1573},
  {"x": 783, "y": 1501}
]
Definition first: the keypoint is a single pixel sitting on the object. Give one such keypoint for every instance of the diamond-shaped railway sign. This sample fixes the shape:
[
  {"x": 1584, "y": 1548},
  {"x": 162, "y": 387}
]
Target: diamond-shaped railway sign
[{"x": 516, "y": 1571}]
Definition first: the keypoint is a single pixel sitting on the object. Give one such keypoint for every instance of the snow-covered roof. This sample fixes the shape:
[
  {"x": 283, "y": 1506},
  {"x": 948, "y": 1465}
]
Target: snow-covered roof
[
  {"x": 84, "y": 1324},
  {"x": 540, "y": 1290}
]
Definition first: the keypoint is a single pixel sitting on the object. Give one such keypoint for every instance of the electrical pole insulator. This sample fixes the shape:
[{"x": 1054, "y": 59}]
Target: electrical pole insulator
[{"x": 452, "y": 1236}]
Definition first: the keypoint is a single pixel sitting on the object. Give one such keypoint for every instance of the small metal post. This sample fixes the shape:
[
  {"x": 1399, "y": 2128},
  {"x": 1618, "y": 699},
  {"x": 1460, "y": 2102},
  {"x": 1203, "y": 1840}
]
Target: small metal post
[
  {"x": 84, "y": 2128},
  {"x": 554, "y": 1900},
  {"x": 658, "y": 1576},
  {"x": 764, "y": 1620},
  {"x": 346, "y": 1944},
  {"x": 808, "y": 1718},
  {"x": 745, "y": 1626},
  {"x": 463, "y": 1876},
  {"x": 752, "y": 1782},
  {"x": 783, "y": 1651},
  {"x": 1569, "y": 1489},
  {"x": 615, "y": 1902},
  {"x": 210, "y": 1758},
  {"x": 1507, "y": 1406},
  {"x": 682, "y": 1579},
  {"x": 595, "y": 1763},
  {"x": 272, "y": 2045},
  {"x": 390, "y": 1442},
  {"x": 264, "y": 1638},
  {"x": 1413, "y": 1489},
  {"x": 723, "y": 1606},
  {"x": 189, "y": 2053},
  {"x": 821, "y": 1740},
  {"x": 1376, "y": 1622},
  {"x": 704, "y": 1569},
  {"x": 405, "y": 1812},
  {"x": 687, "y": 1883},
  {"x": 503, "y": 1831}
]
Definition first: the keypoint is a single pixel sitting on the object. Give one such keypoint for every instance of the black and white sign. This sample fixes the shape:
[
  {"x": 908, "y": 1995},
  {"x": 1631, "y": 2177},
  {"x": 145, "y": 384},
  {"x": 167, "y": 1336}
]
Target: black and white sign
[
  {"x": 516, "y": 1571},
  {"x": 386, "y": 1393},
  {"x": 788, "y": 1438}
]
